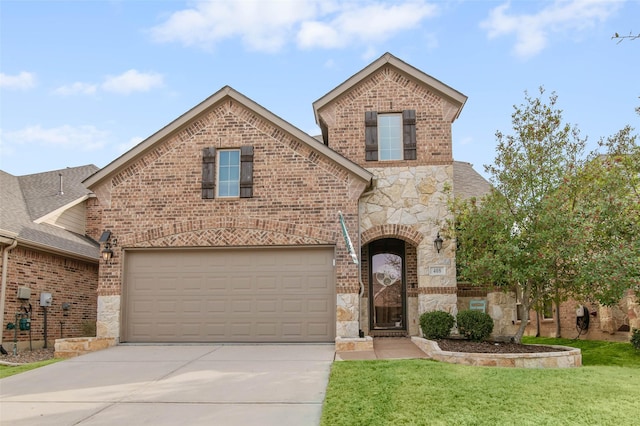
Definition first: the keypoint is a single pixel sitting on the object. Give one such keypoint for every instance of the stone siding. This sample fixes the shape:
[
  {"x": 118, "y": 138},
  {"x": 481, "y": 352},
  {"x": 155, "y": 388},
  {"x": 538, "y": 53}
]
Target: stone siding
[
  {"x": 411, "y": 204},
  {"x": 68, "y": 280}
]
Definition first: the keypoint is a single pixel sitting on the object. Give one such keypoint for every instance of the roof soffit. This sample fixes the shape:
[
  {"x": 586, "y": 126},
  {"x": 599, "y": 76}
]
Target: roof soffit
[
  {"x": 213, "y": 101},
  {"x": 456, "y": 98}
]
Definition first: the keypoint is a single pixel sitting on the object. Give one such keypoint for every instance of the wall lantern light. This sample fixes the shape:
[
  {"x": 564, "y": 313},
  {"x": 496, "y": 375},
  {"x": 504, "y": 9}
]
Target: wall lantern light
[
  {"x": 437, "y": 243},
  {"x": 107, "y": 253}
]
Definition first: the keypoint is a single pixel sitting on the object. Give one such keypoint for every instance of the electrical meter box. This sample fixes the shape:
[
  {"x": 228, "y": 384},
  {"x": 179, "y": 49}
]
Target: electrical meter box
[
  {"x": 24, "y": 293},
  {"x": 45, "y": 299}
]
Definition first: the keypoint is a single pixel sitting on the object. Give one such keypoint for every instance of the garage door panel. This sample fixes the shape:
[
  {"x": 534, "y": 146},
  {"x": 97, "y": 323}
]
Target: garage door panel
[{"x": 248, "y": 295}]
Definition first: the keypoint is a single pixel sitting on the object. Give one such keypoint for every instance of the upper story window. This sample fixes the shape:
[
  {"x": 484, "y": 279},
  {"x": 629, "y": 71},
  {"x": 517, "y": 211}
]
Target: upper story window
[
  {"x": 227, "y": 173},
  {"x": 390, "y": 136}
]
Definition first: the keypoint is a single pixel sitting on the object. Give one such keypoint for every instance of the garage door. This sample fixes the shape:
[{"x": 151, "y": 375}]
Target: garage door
[{"x": 243, "y": 295}]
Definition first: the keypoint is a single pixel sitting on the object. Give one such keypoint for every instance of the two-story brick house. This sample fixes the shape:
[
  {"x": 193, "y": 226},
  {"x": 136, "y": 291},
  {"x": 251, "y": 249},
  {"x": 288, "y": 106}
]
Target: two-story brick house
[{"x": 224, "y": 225}]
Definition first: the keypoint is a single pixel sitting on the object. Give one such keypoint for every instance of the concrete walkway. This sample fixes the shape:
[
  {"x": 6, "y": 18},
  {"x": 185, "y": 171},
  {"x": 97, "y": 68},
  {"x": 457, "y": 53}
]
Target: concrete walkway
[
  {"x": 174, "y": 385},
  {"x": 385, "y": 348}
]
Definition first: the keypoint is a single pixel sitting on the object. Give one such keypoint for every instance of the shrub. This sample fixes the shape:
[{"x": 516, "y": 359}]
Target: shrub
[
  {"x": 436, "y": 324},
  {"x": 635, "y": 338},
  {"x": 474, "y": 325}
]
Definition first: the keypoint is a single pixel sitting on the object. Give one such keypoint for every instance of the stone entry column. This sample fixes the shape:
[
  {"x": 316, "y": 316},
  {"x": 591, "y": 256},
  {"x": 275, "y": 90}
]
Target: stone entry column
[{"x": 436, "y": 280}]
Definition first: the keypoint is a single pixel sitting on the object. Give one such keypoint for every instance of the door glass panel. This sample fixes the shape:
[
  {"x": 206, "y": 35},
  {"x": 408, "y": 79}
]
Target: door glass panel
[{"x": 387, "y": 291}]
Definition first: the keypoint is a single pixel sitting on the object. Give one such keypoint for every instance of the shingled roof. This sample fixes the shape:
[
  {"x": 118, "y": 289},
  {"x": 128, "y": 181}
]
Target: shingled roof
[
  {"x": 26, "y": 199},
  {"x": 468, "y": 183}
]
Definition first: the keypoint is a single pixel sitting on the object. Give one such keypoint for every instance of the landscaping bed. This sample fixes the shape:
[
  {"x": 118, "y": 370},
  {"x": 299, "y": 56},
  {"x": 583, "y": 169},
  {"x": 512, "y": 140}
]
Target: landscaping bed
[{"x": 486, "y": 347}]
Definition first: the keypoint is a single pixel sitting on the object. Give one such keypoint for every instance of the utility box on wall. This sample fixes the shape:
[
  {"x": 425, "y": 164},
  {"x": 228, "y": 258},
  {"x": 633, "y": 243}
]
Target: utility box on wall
[
  {"x": 45, "y": 299},
  {"x": 24, "y": 293}
]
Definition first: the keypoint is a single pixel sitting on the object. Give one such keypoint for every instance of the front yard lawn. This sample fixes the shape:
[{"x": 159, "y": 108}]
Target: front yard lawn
[
  {"x": 9, "y": 370},
  {"x": 424, "y": 392}
]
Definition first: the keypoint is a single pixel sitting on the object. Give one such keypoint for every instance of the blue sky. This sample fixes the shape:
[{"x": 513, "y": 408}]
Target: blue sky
[{"x": 83, "y": 81}]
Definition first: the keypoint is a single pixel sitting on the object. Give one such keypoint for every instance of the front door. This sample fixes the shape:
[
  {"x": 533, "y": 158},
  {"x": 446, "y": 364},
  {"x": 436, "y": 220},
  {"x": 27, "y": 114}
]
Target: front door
[{"x": 387, "y": 291}]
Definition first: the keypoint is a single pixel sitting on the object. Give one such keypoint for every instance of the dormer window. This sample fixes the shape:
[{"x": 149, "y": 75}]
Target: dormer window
[{"x": 390, "y": 136}]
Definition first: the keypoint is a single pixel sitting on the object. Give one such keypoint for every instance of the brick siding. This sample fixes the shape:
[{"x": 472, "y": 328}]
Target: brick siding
[
  {"x": 68, "y": 280},
  {"x": 156, "y": 200}
]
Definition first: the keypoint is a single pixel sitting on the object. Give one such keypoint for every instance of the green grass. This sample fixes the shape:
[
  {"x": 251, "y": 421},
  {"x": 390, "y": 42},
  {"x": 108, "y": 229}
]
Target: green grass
[
  {"x": 424, "y": 392},
  {"x": 7, "y": 370},
  {"x": 595, "y": 352}
]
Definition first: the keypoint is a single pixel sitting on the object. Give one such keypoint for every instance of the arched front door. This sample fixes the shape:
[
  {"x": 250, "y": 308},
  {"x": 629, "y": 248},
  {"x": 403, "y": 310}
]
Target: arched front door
[{"x": 387, "y": 288}]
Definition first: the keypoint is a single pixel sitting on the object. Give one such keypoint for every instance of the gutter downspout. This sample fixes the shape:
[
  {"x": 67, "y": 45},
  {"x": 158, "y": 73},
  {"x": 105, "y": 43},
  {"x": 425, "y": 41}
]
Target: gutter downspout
[{"x": 5, "y": 261}]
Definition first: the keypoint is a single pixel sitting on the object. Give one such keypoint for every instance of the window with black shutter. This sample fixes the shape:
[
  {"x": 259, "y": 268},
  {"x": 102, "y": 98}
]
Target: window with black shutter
[
  {"x": 227, "y": 173},
  {"x": 208, "y": 172},
  {"x": 390, "y": 136}
]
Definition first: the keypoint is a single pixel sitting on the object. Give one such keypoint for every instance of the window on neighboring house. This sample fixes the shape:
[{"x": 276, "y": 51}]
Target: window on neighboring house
[
  {"x": 547, "y": 309},
  {"x": 227, "y": 173},
  {"x": 390, "y": 136}
]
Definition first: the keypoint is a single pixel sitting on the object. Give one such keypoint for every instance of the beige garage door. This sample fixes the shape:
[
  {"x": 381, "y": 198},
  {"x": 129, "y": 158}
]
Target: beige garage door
[{"x": 243, "y": 295}]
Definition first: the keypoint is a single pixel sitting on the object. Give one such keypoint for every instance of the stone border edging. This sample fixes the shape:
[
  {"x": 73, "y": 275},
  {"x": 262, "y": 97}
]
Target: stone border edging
[{"x": 568, "y": 357}]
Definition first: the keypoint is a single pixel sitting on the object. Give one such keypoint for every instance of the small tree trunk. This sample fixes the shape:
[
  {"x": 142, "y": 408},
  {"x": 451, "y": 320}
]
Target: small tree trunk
[
  {"x": 557, "y": 314},
  {"x": 517, "y": 338},
  {"x": 537, "y": 324}
]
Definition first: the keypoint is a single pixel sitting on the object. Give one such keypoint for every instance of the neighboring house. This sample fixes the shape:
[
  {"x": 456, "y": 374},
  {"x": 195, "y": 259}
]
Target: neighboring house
[
  {"x": 45, "y": 251},
  {"x": 224, "y": 225}
]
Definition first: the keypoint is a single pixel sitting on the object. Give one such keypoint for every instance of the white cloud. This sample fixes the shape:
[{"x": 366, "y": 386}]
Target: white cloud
[
  {"x": 23, "y": 81},
  {"x": 124, "y": 147},
  {"x": 532, "y": 31},
  {"x": 364, "y": 24},
  {"x": 76, "y": 88},
  {"x": 84, "y": 138},
  {"x": 132, "y": 81},
  {"x": 271, "y": 25}
]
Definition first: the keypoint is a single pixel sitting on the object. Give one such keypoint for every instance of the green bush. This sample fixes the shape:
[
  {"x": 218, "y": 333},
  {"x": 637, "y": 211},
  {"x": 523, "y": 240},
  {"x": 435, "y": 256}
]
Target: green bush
[
  {"x": 436, "y": 324},
  {"x": 474, "y": 325},
  {"x": 635, "y": 338}
]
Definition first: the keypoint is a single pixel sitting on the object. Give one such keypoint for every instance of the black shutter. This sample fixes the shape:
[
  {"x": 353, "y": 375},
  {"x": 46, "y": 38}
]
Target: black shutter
[
  {"x": 246, "y": 172},
  {"x": 208, "y": 172},
  {"x": 409, "y": 133},
  {"x": 371, "y": 135}
]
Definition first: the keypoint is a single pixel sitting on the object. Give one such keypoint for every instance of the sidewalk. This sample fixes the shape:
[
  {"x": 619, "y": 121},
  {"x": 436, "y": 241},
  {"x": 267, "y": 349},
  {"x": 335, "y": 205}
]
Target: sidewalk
[{"x": 385, "y": 348}]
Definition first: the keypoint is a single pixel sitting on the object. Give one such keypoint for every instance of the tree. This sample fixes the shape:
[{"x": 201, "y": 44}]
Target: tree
[
  {"x": 547, "y": 230},
  {"x": 621, "y": 38}
]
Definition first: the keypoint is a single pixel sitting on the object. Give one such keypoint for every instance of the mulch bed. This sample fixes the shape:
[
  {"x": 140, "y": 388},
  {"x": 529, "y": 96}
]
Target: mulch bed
[
  {"x": 25, "y": 356},
  {"x": 458, "y": 345}
]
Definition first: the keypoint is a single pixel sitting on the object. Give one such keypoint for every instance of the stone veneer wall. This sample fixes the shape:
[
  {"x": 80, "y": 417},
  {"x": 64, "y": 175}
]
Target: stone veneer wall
[{"x": 410, "y": 203}]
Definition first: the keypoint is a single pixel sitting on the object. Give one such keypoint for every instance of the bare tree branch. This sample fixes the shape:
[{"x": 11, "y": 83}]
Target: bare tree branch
[{"x": 622, "y": 38}]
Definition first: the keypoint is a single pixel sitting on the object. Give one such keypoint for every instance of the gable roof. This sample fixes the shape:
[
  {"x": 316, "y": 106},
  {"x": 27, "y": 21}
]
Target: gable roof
[
  {"x": 224, "y": 93},
  {"x": 25, "y": 199},
  {"x": 452, "y": 95}
]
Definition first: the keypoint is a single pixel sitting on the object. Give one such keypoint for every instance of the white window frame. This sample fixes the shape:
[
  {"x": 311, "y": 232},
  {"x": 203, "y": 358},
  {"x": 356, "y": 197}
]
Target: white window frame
[
  {"x": 230, "y": 172},
  {"x": 390, "y": 138}
]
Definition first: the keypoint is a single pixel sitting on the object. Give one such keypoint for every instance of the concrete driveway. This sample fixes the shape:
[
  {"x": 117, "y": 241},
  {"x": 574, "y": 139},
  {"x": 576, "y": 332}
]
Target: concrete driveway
[{"x": 174, "y": 385}]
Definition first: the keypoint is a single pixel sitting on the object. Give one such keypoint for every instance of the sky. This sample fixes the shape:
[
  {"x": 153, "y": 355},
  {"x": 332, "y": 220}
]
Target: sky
[{"x": 81, "y": 82}]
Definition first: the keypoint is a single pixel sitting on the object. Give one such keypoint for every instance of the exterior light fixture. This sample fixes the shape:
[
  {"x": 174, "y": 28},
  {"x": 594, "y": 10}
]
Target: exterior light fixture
[
  {"x": 437, "y": 243},
  {"x": 107, "y": 253}
]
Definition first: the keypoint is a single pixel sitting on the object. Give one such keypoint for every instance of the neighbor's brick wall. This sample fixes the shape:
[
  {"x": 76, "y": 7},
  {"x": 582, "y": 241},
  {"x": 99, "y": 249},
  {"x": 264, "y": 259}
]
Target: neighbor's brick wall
[
  {"x": 388, "y": 91},
  {"x": 297, "y": 193},
  {"x": 597, "y": 330},
  {"x": 68, "y": 280}
]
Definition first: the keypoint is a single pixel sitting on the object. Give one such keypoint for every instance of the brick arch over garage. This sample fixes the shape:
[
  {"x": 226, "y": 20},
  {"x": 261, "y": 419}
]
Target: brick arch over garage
[
  {"x": 402, "y": 232},
  {"x": 229, "y": 232}
]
